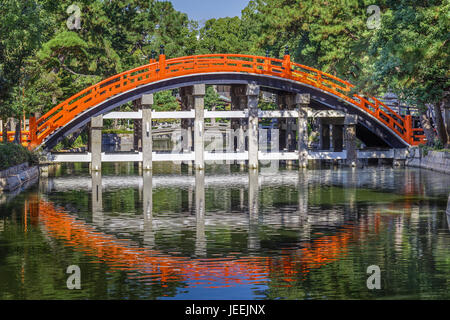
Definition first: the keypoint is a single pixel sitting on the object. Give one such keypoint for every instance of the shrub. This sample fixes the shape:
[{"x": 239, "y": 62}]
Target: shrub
[
  {"x": 438, "y": 145},
  {"x": 117, "y": 131},
  {"x": 13, "y": 154},
  {"x": 67, "y": 145}
]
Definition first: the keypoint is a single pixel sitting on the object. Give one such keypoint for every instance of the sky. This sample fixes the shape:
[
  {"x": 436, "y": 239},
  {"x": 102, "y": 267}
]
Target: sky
[{"x": 202, "y": 10}]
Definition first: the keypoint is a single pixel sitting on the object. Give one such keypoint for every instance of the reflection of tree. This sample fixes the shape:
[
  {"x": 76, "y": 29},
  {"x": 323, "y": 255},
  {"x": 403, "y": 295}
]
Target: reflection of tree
[
  {"x": 419, "y": 269},
  {"x": 409, "y": 247},
  {"x": 33, "y": 266}
]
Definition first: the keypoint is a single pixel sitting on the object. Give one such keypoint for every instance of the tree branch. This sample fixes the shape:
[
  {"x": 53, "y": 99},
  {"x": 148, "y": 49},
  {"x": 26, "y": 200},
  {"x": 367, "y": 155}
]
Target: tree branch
[{"x": 75, "y": 73}]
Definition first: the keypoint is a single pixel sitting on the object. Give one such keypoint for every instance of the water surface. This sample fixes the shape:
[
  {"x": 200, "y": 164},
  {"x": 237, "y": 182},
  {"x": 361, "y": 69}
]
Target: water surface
[{"x": 227, "y": 234}]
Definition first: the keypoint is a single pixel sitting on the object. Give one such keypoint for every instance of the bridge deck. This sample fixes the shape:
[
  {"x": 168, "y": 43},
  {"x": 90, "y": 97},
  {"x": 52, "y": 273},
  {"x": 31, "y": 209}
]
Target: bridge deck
[{"x": 217, "y": 156}]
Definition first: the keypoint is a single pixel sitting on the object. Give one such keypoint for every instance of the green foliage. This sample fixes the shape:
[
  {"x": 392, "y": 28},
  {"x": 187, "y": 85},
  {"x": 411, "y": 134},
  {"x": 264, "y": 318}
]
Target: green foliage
[
  {"x": 437, "y": 146},
  {"x": 20, "y": 35},
  {"x": 267, "y": 105},
  {"x": 328, "y": 35},
  {"x": 165, "y": 101},
  {"x": 114, "y": 37},
  {"x": 117, "y": 131},
  {"x": 225, "y": 35},
  {"x": 42, "y": 62},
  {"x": 212, "y": 100},
  {"x": 410, "y": 53},
  {"x": 13, "y": 154},
  {"x": 66, "y": 144}
]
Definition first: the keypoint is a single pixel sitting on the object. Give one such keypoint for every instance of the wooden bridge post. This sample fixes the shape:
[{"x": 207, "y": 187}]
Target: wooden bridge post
[
  {"x": 241, "y": 141},
  {"x": 96, "y": 143},
  {"x": 147, "y": 141},
  {"x": 97, "y": 199},
  {"x": 240, "y": 102},
  {"x": 281, "y": 105},
  {"x": 137, "y": 127},
  {"x": 162, "y": 62},
  {"x": 4, "y": 130},
  {"x": 324, "y": 135},
  {"x": 253, "y": 125},
  {"x": 198, "y": 92},
  {"x": 318, "y": 122},
  {"x": 33, "y": 132},
  {"x": 302, "y": 101},
  {"x": 10, "y": 127},
  {"x": 332, "y": 136},
  {"x": 187, "y": 104},
  {"x": 290, "y": 136},
  {"x": 303, "y": 201},
  {"x": 350, "y": 139},
  {"x": 149, "y": 234},
  {"x": 338, "y": 137},
  {"x": 200, "y": 238},
  {"x": 253, "y": 206}
]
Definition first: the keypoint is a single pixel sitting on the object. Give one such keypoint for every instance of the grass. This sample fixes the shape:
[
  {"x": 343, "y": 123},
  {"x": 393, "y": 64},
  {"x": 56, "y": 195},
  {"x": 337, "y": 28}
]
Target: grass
[
  {"x": 13, "y": 154},
  {"x": 65, "y": 144},
  {"x": 117, "y": 131},
  {"x": 437, "y": 147}
]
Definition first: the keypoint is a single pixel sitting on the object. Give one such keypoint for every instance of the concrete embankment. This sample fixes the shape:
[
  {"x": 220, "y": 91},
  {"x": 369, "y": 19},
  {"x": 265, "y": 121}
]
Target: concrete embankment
[
  {"x": 14, "y": 177},
  {"x": 431, "y": 160}
]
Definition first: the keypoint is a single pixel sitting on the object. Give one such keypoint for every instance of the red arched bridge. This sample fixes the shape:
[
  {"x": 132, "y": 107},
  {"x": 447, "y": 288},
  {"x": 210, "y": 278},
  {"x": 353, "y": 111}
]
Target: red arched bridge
[{"x": 326, "y": 91}]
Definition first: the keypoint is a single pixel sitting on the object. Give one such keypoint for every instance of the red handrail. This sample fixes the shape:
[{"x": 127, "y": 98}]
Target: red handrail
[{"x": 25, "y": 139}]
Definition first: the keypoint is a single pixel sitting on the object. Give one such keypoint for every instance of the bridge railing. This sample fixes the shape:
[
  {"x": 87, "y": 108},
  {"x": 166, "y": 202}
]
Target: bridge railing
[
  {"x": 25, "y": 138},
  {"x": 68, "y": 110}
]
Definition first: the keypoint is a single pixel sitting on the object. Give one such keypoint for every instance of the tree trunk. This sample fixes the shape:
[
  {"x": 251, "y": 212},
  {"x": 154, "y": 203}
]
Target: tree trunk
[
  {"x": 427, "y": 127},
  {"x": 440, "y": 126},
  {"x": 18, "y": 132},
  {"x": 445, "y": 105}
]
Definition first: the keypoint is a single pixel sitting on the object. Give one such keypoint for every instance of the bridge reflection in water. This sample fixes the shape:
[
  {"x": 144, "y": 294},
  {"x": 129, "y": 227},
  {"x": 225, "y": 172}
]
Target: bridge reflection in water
[{"x": 149, "y": 263}]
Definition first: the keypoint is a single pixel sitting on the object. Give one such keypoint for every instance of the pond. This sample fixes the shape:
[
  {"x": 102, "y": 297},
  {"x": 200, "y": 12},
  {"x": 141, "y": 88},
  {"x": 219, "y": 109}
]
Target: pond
[{"x": 227, "y": 234}]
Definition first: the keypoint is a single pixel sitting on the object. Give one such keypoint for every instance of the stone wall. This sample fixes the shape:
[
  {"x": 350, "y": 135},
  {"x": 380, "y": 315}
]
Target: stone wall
[
  {"x": 431, "y": 160},
  {"x": 13, "y": 178},
  {"x": 13, "y": 170}
]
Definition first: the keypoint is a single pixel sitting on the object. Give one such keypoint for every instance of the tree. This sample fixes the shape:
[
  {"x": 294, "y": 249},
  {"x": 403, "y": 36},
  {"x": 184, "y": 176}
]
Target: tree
[
  {"x": 166, "y": 101},
  {"x": 42, "y": 62},
  {"x": 113, "y": 37},
  {"x": 410, "y": 53},
  {"x": 213, "y": 100},
  {"x": 327, "y": 35},
  {"x": 224, "y": 35},
  {"x": 20, "y": 32}
]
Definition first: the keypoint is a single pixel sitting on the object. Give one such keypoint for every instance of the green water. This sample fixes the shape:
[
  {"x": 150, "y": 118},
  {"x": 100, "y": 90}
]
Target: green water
[{"x": 227, "y": 234}]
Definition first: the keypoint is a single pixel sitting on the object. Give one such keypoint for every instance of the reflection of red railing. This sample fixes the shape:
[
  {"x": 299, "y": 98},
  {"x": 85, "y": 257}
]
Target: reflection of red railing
[
  {"x": 155, "y": 266},
  {"x": 65, "y": 112}
]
